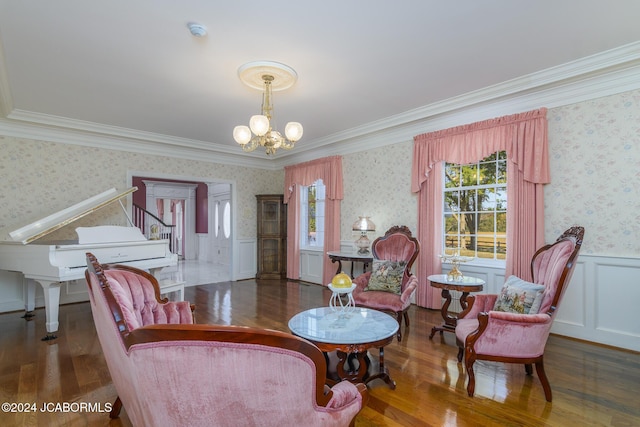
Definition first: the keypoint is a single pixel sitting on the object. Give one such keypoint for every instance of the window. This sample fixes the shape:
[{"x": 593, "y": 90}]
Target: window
[
  {"x": 312, "y": 215},
  {"x": 475, "y": 208},
  {"x": 226, "y": 220},
  {"x": 216, "y": 218}
]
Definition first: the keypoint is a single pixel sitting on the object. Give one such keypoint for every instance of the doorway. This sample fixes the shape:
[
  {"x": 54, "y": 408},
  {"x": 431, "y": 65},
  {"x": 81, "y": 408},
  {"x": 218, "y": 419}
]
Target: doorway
[
  {"x": 175, "y": 204},
  {"x": 192, "y": 205}
]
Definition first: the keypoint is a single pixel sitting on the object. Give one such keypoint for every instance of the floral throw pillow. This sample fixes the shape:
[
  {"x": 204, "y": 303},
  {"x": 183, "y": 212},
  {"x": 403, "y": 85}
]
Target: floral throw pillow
[
  {"x": 386, "y": 276},
  {"x": 519, "y": 296}
]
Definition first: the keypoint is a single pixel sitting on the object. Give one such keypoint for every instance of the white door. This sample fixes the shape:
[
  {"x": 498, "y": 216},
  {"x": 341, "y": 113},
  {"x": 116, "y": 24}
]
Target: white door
[{"x": 221, "y": 242}]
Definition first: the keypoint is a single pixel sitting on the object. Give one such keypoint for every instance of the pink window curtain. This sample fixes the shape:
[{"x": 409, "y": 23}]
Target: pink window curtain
[
  {"x": 329, "y": 169},
  {"x": 524, "y": 137}
]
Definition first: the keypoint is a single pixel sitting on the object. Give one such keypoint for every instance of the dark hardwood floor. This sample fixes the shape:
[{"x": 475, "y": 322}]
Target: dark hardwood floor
[{"x": 592, "y": 385}]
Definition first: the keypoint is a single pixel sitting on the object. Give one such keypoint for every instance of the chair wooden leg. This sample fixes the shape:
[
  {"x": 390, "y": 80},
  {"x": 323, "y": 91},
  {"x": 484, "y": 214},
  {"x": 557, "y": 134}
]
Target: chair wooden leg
[
  {"x": 528, "y": 368},
  {"x": 471, "y": 385},
  {"x": 406, "y": 319},
  {"x": 544, "y": 380},
  {"x": 460, "y": 353},
  {"x": 115, "y": 410}
]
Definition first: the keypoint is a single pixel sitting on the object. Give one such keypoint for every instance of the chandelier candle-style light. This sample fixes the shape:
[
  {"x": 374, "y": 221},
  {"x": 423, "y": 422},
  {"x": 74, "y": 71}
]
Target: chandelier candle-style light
[{"x": 267, "y": 76}]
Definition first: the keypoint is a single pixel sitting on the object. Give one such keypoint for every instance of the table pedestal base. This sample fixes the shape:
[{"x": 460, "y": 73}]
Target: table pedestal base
[
  {"x": 461, "y": 284},
  {"x": 356, "y": 368}
]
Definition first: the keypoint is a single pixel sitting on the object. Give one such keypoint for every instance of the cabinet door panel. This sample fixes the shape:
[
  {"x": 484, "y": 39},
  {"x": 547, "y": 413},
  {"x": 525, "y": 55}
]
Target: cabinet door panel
[{"x": 272, "y": 232}]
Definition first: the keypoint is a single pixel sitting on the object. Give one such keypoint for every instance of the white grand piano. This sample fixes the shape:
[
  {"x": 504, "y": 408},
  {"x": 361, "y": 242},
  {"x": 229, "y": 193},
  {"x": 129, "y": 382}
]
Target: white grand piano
[{"x": 52, "y": 262}]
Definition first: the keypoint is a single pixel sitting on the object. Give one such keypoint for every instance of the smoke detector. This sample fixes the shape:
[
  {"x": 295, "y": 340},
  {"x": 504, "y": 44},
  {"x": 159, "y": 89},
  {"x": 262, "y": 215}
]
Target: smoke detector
[{"x": 197, "y": 30}]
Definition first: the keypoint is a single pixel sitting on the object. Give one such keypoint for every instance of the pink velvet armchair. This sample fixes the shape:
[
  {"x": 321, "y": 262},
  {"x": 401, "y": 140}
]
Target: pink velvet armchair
[
  {"x": 489, "y": 331},
  {"x": 398, "y": 246},
  {"x": 144, "y": 305},
  {"x": 203, "y": 375}
]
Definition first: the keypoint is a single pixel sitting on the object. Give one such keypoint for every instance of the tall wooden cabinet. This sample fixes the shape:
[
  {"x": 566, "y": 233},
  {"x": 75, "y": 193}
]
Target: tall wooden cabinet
[{"x": 272, "y": 237}]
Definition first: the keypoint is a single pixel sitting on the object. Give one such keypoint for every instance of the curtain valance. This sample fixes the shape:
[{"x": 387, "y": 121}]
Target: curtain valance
[
  {"x": 522, "y": 135},
  {"x": 329, "y": 169}
]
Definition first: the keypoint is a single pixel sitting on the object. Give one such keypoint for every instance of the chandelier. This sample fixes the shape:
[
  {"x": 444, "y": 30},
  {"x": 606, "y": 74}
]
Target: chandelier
[{"x": 268, "y": 76}]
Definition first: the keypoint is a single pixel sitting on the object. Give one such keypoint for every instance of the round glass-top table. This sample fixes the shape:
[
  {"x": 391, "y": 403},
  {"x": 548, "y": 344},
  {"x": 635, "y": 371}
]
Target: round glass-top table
[{"x": 350, "y": 332}]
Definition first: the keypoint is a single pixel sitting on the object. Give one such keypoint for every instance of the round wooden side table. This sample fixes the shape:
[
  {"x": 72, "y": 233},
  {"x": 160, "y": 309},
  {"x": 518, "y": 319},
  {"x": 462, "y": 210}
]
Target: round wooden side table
[{"x": 465, "y": 285}]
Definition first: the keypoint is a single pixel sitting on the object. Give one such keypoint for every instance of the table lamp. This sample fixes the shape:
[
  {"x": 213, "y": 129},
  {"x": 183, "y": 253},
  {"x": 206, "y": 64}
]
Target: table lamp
[{"x": 363, "y": 225}]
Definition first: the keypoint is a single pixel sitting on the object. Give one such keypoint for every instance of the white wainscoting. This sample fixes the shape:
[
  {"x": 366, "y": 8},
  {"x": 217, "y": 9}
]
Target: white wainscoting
[
  {"x": 311, "y": 265},
  {"x": 599, "y": 303},
  {"x": 203, "y": 247},
  {"x": 245, "y": 259}
]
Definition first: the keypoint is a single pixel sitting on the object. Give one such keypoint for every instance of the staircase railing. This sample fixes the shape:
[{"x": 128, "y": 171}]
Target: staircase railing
[{"x": 154, "y": 229}]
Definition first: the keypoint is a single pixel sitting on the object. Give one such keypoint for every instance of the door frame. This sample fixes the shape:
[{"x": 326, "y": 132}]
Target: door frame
[{"x": 157, "y": 176}]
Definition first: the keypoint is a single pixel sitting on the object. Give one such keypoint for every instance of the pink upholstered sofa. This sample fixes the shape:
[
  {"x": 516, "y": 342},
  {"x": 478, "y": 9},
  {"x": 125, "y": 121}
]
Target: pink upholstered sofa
[{"x": 208, "y": 375}]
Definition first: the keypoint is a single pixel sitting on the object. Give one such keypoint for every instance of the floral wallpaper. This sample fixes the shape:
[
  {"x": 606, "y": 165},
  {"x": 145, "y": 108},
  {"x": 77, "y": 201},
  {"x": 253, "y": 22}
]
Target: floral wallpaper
[
  {"x": 377, "y": 183},
  {"x": 39, "y": 178},
  {"x": 595, "y": 173},
  {"x": 594, "y": 149}
]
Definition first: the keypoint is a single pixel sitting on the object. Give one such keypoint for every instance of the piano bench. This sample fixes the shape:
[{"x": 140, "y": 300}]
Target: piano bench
[{"x": 168, "y": 286}]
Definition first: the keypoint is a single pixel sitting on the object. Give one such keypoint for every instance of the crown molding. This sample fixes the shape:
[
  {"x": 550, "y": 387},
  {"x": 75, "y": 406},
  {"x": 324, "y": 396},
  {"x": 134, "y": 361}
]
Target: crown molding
[
  {"x": 596, "y": 76},
  {"x": 599, "y": 75},
  {"x": 183, "y": 149}
]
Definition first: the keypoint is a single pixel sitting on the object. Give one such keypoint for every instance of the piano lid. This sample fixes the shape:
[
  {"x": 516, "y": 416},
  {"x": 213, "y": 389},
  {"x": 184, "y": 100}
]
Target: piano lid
[{"x": 44, "y": 226}]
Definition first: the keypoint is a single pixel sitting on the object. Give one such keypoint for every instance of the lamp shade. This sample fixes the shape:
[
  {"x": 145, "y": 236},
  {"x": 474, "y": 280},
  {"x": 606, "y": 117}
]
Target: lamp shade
[
  {"x": 293, "y": 131},
  {"x": 242, "y": 134},
  {"x": 364, "y": 224},
  {"x": 259, "y": 124}
]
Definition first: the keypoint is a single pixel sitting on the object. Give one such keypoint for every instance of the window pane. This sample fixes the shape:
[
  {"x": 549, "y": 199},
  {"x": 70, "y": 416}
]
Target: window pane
[
  {"x": 501, "y": 177},
  {"x": 501, "y": 246},
  {"x": 468, "y": 223},
  {"x": 226, "y": 220},
  {"x": 501, "y": 222},
  {"x": 469, "y": 175},
  {"x": 216, "y": 218},
  {"x": 451, "y": 176},
  {"x": 452, "y": 241},
  {"x": 487, "y": 199},
  {"x": 468, "y": 200},
  {"x": 474, "y": 208},
  {"x": 486, "y": 224},
  {"x": 451, "y": 223},
  {"x": 487, "y": 173},
  {"x": 501, "y": 198},
  {"x": 312, "y": 215}
]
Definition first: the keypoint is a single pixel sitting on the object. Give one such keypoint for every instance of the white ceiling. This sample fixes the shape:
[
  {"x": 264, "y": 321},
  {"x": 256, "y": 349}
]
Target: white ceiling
[{"x": 132, "y": 69}]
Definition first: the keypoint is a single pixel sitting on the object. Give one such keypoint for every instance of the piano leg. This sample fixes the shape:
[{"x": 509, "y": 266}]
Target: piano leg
[
  {"x": 51, "y": 307},
  {"x": 29, "y": 299}
]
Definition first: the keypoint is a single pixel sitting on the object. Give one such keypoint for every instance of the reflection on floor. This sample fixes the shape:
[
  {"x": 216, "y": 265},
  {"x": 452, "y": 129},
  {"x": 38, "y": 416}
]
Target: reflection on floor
[{"x": 194, "y": 272}]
